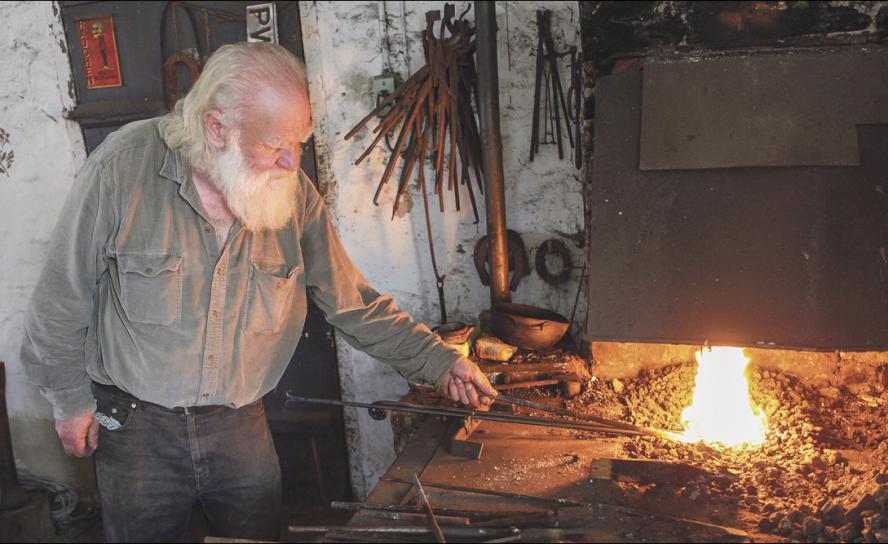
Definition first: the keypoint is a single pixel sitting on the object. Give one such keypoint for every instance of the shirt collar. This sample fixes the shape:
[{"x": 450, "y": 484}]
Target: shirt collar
[{"x": 173, "y": 168}]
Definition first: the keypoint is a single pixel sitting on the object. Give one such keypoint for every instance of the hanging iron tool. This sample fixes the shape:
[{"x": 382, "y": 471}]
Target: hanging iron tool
[
  {"x": 433, "y": 109},
  {"x": 575, "y": 104},
  {"x": 548, "y": 88}
]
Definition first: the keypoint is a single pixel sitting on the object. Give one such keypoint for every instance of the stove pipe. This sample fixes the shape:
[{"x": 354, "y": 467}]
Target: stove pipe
[{"x": 492, "y": 152}]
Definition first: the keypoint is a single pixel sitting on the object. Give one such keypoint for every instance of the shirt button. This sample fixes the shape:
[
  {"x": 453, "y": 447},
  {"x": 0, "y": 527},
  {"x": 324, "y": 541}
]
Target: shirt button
[
  {"x": 280, "y": 284},
  {"x": 205, "y": 395},
  {"x": 149, "y": 270},
  {"x": 215, "y": 313},
  {"x": 208, "y": 230},
  {"x": 211, "y": 358}
]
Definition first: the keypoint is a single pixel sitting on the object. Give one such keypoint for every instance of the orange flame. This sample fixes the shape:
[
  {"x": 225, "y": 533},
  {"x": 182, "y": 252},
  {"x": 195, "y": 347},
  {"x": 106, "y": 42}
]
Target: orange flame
[{"x": 721, "y": 409}]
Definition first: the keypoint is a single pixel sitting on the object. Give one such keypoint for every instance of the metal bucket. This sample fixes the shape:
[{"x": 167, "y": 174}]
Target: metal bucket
[{"x": 528, "y": 327}]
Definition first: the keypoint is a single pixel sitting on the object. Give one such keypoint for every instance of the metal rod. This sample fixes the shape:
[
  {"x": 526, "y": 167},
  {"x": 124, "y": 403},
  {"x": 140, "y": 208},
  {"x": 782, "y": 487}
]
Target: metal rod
[
  {"x": 505, "y": 494},
  {"x": 525, "y": 385},
  {"x": 454, "y": 532},
  {"x": 427, "y": 507},
  {"x": 492, "y": 156},
  {"x": 439, "y": 510},
  {"x": 604, "y": 428},
  {"x": 562, "y": 412}
]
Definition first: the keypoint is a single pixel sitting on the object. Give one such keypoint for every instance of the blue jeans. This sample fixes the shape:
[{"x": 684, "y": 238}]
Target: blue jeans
[{"x": 153, "y": 464}]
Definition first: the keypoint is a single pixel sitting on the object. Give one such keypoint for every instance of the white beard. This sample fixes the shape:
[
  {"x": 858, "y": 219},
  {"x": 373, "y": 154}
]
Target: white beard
[{"x": 262, "y": 202}]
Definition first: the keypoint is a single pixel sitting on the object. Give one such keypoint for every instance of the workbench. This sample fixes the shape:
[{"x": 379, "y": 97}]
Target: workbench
[{"x": 525, "y": 460}]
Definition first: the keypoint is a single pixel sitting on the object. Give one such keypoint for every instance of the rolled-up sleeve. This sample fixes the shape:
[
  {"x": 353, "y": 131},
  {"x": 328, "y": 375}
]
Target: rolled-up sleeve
[
  {"x": 366, "y": 319},
  {"x": 61, "y": 309}
]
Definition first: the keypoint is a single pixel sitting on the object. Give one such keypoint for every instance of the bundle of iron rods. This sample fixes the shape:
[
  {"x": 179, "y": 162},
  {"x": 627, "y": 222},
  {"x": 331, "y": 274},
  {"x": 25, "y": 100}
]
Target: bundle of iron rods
[{"x": 433, "y": 109}]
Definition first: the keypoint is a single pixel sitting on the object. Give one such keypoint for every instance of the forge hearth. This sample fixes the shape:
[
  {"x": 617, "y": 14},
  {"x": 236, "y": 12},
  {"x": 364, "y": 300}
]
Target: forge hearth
[{"x": 821, "y": 474}]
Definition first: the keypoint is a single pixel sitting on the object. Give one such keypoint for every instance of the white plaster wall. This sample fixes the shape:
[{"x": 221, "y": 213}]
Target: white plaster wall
[
  {"x": 344, "y": 50},
  {"x": 48, "y": 151}
]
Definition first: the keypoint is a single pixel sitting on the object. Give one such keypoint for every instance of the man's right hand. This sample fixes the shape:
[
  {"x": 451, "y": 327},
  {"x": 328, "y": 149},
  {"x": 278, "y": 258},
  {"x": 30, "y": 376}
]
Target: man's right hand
[{"x": 79, "y": 435}]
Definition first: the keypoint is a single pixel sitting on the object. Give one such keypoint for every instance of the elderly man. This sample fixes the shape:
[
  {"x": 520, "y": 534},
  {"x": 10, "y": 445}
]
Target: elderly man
[{"x": 175, "y": 292}]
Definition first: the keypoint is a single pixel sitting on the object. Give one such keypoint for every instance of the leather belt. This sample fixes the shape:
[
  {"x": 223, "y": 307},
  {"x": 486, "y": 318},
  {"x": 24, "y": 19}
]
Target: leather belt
[{"x": 188, "y": 410}]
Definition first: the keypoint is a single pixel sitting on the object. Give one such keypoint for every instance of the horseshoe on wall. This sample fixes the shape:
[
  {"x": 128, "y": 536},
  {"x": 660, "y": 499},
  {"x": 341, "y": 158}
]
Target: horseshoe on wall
[
  {"x": 518, "y": 264},
  {"x": 170, "y": 81}
]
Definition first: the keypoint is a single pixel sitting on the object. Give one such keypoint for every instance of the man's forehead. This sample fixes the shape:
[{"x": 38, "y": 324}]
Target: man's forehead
[{"x": 274, "y": 114}]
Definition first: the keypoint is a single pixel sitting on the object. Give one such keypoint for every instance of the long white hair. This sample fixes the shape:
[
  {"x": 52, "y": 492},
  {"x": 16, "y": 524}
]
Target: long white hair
[{"x": 232, "y": 75}]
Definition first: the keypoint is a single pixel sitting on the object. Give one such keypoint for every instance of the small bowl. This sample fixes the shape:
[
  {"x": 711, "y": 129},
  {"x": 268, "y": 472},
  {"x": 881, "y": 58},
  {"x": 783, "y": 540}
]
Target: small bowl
[{"x": 528, "y": 327}]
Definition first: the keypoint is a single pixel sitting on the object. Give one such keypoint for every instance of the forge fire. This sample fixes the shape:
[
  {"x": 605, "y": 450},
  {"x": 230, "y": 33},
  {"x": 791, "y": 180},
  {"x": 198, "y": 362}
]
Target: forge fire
[{"x": 721, "y": 409}]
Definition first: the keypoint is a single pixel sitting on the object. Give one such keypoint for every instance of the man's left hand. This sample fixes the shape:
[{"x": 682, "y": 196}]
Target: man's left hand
[{"x": 464, "y": 382}]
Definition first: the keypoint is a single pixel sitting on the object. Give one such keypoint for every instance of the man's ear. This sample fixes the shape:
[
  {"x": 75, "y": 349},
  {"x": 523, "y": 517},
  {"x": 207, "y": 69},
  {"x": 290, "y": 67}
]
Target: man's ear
[{"x": 217, "y": 133}]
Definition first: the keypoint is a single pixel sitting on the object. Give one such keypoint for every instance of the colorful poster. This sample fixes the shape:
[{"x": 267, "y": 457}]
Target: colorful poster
[{"x": 98, "y": 45}]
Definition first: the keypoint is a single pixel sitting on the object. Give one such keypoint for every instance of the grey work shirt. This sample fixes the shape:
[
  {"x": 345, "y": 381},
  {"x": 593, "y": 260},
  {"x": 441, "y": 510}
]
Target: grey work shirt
[{"x": 137, "y": 293}]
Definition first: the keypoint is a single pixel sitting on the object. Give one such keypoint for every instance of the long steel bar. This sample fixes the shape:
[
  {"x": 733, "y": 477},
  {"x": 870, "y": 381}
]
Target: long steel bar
[
  {"x": 439, "y": 510},
  {"x": 562, "y": 412},
  {"x": 474, "y": 515},
  {"x": 504, "y": 494},
  {"x": 427, "y": 506},
  {"x": 487, "y": 416},
  {"x": 492, "y": 157},
  {"x": 454, "y": 532}
]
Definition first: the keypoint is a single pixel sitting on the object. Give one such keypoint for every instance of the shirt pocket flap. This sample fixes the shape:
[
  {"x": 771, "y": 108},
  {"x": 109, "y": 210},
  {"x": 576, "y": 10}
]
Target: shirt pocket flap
[
  {"x": 149, "y": 265},
  {"x": 275, "y": 268},
  {"x": 151, "y": 287}
]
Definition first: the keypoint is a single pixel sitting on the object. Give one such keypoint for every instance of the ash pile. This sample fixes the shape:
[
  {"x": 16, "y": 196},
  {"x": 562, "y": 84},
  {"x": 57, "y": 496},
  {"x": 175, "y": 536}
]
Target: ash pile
[{"x": 821, "y": 475}]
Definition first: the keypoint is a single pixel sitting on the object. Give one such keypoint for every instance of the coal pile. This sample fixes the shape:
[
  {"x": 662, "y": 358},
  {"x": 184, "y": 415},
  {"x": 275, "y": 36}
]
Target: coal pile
[
  {"x": 821, "y": 476},
  {"x": 658, "y": 397}
]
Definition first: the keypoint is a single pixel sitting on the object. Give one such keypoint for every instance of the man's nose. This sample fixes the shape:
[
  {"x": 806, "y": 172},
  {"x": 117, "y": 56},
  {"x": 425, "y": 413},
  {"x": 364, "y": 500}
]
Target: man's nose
[{"x": 288, "y": 160}]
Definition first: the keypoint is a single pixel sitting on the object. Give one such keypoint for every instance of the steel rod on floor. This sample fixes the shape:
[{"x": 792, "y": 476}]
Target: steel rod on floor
[
  {"x": 504, "y": 494},
  {"x": 473, "y": 515},
  {"x": 427, "y": 507}
]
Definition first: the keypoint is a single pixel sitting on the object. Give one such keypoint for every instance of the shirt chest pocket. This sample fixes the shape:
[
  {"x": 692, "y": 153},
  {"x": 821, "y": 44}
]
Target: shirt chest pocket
[
  {"x": 270, "y": 295},
  {"x": 151, "y": 287}
]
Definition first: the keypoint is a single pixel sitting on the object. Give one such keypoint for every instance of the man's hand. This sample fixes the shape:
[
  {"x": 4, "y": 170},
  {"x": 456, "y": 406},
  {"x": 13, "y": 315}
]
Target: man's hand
[
  {"x": 80, "y": 435},
  {"x": 463, "y": 383}
]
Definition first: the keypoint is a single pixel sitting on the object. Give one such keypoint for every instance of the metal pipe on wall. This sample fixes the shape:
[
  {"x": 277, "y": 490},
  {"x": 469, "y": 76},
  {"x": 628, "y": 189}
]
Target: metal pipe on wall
[{"x": 492, "y": 153}]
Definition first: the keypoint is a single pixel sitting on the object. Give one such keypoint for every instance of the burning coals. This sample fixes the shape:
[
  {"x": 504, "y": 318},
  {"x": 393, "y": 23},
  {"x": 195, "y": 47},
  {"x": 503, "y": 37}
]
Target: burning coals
[{"x": 820, "y": 475}]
